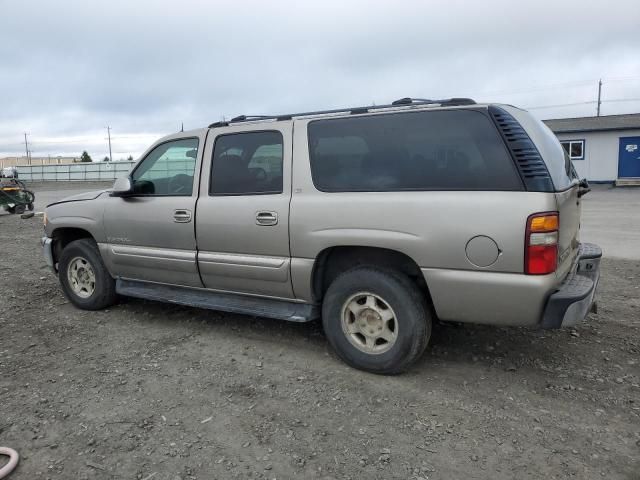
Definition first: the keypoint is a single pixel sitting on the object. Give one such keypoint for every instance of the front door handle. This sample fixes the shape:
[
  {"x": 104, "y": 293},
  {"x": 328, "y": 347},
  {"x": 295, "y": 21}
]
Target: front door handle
[
  {"x": 266, "y": 218},
  {"x": 182, "y": 216}
]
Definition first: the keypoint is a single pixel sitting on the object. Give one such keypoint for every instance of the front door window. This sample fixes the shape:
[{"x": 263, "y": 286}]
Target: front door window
[{"x": 168, "y": 169}]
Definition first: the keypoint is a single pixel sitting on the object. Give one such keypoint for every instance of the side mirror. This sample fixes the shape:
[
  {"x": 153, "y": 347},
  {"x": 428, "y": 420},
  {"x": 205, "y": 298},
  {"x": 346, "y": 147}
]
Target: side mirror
[
  {"x": 583, "y": 187},
  {"x": 122, "y": 187}
]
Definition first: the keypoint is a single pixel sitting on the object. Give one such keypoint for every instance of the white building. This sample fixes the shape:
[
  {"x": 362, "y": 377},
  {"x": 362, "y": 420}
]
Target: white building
[{"x": 603, "y": 149}]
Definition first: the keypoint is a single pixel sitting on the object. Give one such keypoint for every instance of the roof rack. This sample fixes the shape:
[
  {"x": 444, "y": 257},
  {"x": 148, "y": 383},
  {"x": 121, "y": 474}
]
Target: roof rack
[{"x": 449, "y": 102}]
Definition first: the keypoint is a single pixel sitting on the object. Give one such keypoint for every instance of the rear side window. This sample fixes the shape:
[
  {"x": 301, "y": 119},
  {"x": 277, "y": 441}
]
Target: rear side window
[
  {"x": 440, "y": 150},
  {"x": 247, "y": 164}
]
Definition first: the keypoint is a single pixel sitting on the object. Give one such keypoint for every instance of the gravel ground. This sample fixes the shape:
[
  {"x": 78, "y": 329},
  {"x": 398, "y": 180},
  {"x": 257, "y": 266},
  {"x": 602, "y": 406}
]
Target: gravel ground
[{"x": 152, "y": 391}]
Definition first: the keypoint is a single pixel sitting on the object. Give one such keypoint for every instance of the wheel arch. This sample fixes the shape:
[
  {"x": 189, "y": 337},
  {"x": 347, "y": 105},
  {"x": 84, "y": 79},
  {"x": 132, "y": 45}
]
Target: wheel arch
[
  {"x": 63, "y": 236},
  {"x": 332, "y": 261}
]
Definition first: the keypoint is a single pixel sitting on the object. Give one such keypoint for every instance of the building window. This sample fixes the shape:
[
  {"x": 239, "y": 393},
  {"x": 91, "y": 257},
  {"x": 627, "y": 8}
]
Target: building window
[{"x": 574, "y": 148}]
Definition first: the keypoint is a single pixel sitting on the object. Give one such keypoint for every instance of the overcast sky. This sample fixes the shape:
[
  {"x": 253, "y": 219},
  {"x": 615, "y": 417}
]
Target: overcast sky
[{"x": 69, "y": 68}]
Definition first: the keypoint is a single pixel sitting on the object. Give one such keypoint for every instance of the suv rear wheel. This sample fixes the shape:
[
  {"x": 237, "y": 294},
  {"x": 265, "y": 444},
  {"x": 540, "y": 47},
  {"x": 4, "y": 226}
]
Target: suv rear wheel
[
  {"x": 83, "y": 276},
  {"x": 376, "y": 320}
]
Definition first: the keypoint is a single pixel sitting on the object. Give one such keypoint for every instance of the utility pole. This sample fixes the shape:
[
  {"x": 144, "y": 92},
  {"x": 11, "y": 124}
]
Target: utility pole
[
  {"x": 109, "y": 135},
  {"x": 26, "y": 148},
  {"x": 599, "y": 96}
]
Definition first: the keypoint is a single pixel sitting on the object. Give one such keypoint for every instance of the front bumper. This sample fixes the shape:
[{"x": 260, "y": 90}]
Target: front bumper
[
  {"x": 47, "y": 252},
  {"x": 572, "y": 301}
]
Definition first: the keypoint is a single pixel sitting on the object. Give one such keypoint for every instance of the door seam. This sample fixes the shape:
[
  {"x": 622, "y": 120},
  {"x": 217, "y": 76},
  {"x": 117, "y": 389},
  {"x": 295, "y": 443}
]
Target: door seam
[{"x": 195, "y": 214}]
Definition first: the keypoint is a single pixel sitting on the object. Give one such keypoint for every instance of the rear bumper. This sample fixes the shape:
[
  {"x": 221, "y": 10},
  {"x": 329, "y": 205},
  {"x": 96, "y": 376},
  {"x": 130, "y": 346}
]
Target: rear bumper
[{"x": 574, "y": 297}]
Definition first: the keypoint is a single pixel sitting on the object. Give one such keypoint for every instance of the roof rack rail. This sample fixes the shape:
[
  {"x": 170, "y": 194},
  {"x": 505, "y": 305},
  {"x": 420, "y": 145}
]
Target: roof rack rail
[
  {"x": 247, "y": 118},
  {"x": 450, "y": 102}
]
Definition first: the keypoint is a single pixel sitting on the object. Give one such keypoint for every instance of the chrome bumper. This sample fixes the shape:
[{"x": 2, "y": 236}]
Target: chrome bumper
[
  {"x": 47, "y": 252},
  {"x": 572, "y": 301}
]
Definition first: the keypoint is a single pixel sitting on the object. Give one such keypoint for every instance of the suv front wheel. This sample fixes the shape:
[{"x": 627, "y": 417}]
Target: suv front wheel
[
  {"x": 83, "y": 276},
  {"x": 376, "y": 320}
]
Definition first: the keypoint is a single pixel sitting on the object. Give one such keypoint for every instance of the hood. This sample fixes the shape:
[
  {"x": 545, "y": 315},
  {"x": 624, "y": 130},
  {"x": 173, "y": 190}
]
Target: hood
[{"x": 81, "y": 197}]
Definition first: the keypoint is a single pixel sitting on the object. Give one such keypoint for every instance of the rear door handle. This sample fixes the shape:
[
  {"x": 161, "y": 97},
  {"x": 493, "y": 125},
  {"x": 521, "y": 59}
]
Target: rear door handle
[
  {"x": 266, "y": 218},
  {"x": 182, "y": 216}
]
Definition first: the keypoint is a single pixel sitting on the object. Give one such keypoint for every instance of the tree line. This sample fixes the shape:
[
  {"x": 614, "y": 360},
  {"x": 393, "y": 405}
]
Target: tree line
[{"x": 85, "y": 157}]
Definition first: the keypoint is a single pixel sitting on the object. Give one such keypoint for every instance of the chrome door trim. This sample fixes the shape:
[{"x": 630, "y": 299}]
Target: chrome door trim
[
  {"x": 121, "y": 251},
  {"x": 152, "y": 264},
  {"x": 250, "y": 273},
  {"x": 259, "y": 261}
]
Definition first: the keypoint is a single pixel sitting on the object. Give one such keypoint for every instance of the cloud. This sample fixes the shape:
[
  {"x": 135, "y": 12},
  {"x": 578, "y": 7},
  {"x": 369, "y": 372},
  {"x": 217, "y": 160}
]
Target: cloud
[{"x": 69, "y": 68}]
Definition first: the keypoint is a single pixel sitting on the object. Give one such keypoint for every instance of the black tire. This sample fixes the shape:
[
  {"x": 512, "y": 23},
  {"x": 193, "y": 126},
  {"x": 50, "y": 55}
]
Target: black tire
[
  {"x": 104, "y": 292},
  {"x": 412, "y": 314},
  {"x": 29, "y": 197}
]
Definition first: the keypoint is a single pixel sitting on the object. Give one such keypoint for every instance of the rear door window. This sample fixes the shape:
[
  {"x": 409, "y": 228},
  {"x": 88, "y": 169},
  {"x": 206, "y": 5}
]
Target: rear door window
[
  {"x": 439, "y": 150},
  {"x": 247, "y": 164}
]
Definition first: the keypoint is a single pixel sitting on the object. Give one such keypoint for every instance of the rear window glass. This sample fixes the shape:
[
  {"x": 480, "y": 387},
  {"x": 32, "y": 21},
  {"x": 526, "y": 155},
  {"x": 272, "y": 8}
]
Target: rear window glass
[
  {"x": 440, "y": 150},
  {"x": 247, "y": 163}
]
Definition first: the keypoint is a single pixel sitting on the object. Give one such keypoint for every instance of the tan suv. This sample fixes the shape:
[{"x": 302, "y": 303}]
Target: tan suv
[{"x": 378, "y": 219}]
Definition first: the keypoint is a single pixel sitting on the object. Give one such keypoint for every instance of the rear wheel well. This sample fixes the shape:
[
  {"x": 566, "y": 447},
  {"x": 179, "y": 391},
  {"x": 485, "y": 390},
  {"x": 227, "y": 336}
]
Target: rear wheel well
[
  {"x": 333, "y": 261},
  {"x": 64, "y": 236}
]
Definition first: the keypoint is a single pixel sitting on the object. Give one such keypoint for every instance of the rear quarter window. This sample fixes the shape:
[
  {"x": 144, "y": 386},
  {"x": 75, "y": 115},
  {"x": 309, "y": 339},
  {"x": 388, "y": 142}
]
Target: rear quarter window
[
  {"x": 439, "y": 150},
  {"x": 559, "y": 166},
  {"x": 563, "y": 173}
]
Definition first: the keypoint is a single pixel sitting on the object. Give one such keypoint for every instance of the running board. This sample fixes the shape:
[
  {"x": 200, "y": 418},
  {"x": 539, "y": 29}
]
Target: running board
[{"x": 226, "y": 302}]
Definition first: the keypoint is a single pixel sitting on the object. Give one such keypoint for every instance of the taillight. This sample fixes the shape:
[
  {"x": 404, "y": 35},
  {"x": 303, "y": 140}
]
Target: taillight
[{"x": 541, "y": 244}]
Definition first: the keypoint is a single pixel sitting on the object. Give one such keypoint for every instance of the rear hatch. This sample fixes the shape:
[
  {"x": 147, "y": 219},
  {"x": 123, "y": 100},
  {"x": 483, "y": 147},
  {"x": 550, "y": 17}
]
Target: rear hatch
[
  {"x": 547, "y": 168},
  {"x": 570, "y": 208}
]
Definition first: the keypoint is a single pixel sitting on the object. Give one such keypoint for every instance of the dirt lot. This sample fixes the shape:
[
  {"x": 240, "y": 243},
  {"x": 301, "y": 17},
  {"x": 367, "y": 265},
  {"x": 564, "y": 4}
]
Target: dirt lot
[{"x": 150, "y": 391}]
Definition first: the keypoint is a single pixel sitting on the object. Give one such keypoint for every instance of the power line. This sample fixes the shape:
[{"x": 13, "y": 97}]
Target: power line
[
  {"x": 622, "y": 100},
  {"x": 584, "y": 103},
  {"x": 96, "y": 139},
  {"x": 560, "y": 105},
  {"x": 538, "y": 88},
  {"x": 52, "y": 142},
  {"x": 139, "y": 136},
  {"x": 553, "y": 86},
  {"x": 621, "y": 79}
]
